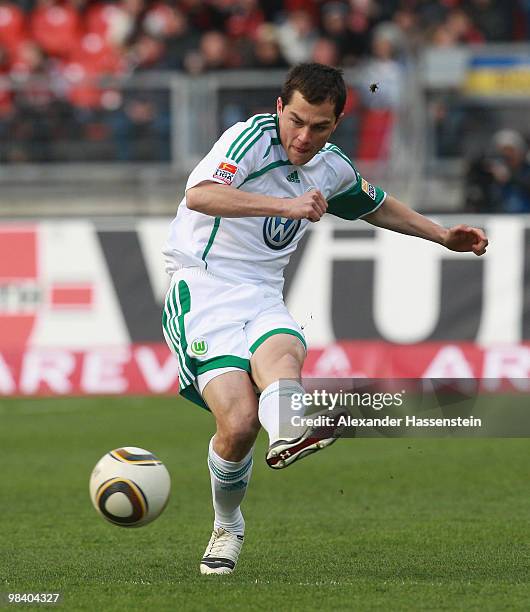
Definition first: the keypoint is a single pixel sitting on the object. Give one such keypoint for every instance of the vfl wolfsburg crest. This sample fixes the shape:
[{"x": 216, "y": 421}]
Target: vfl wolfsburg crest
[
  {"x": 199, "y": 346},
  {"x": 278, "y": 232}
]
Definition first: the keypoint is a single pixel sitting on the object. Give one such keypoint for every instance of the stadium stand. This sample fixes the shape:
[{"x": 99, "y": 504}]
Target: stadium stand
[
  {"x": 72, "y": 44},
  {"x": 100, "y": 80}
]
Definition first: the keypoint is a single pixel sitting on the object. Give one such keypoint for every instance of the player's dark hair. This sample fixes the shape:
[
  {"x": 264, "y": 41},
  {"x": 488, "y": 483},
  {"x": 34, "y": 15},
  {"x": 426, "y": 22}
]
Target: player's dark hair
[{"x": 317, "y": 83}]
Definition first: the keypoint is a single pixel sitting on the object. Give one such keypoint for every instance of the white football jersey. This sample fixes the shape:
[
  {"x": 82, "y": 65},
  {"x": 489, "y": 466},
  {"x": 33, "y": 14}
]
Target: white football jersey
[{"x": 250, "y": 157}]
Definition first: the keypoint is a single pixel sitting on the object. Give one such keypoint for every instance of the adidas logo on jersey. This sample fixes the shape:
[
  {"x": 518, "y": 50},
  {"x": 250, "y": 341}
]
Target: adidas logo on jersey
[{"x": 293, "y": 177}]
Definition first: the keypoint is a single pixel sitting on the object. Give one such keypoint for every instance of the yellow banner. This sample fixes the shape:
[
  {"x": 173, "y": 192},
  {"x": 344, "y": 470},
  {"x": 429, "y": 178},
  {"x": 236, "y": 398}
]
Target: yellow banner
[{"x": 498, "y": 82}]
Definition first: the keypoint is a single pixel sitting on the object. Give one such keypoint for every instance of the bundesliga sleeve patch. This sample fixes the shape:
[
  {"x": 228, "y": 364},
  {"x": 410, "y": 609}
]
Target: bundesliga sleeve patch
[
  {"x": 225, "y": 172},
  {"x": 368, "y": 189}
]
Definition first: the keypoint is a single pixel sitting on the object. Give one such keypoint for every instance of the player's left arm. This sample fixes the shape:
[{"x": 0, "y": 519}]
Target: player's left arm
[{"x": 396, "y": 216}]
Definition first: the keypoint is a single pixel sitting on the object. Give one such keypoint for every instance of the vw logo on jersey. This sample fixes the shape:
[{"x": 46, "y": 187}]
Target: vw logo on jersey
[{"x": 278, "y": 232}]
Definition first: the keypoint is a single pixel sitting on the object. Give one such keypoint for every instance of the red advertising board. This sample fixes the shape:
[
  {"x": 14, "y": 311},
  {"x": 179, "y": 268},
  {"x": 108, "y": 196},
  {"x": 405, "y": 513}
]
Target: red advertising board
[
  {"x": 80, "y": 306},
  {"x": 151, "y": 369}
]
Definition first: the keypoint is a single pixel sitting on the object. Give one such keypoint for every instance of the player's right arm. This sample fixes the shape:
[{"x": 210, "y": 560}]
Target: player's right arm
[
  {"x": 213, "y": 187},
  {"x": 223, "y": 201}
]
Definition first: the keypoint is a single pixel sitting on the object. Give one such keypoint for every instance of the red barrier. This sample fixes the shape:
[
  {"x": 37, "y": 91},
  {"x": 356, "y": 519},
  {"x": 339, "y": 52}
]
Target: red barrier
[{"x": 147, "y": 369}]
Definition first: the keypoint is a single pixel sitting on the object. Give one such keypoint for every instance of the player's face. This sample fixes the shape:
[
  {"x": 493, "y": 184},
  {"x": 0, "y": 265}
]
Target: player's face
[{"x": 304, "y": 128}]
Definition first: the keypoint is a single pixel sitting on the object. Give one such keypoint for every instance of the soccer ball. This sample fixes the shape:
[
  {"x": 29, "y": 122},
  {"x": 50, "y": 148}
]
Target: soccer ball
[{"x": 129, "y": 487}]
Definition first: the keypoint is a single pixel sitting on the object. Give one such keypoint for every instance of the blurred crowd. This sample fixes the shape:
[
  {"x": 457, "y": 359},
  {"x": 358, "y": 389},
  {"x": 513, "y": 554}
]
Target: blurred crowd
[
  {"x": 78, "y": 37},
  {"x": 498, "y": 181},
  {"x": 71, "y": 44}
]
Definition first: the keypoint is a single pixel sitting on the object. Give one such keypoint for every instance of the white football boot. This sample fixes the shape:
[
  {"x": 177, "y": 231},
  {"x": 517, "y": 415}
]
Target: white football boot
[
  {"x": 222, "y": 552},
  {"x": 284, "y": 452}
]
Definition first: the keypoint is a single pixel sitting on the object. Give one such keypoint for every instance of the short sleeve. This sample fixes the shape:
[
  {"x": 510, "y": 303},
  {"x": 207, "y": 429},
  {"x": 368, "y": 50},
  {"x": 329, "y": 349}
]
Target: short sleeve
[
  {"x": 353, "y": 197},
  {"x": 234, "y": 156}
]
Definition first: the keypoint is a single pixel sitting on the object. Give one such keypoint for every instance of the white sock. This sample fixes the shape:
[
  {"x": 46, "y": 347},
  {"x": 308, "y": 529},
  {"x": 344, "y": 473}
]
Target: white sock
[
  {"x": 229, "y": 485},
  {"x": 269, "y": 415}
]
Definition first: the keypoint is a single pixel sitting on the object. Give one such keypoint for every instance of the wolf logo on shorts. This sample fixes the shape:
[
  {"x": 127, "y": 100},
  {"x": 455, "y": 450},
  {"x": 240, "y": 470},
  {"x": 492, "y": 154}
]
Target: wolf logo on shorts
[{"x": 199, "y": 346}]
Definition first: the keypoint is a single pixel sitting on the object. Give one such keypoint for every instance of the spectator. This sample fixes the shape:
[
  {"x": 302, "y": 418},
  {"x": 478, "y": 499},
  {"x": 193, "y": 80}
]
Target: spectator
[
  {"x": 511, "y": 172},
  {"x": 39, "y": 119},
  {"x": 448, "y": 121},
  {"x": 141, "y": 129},
  {"x": 245, "y": 19},
  {"x": 172, "y": 26},
  {"x": 114, "y": 22},
  {"x": 462, "y": 28},
  {"x": 326, "y": 52},
  {"x": 493, "y": 18},
  {"x": 193, "y": 62},
  {"x": 500, "y": 182},
  {"x": 408, "y": 23},
  {"x": 297, "y": 37},
  {"x": 38, "y": 97},
  {"x": 334, "y": 20},
  {"x": 361, "y": 20},
  {"x": 383, "y": 68},
  {"x": 203, "y": 16},
  {"x": 441, "y": 36},
  {"x": 380, "y": 107},
  {"x": 147, "y": 53},
  {"x": 266, "y": 52},
  {"x": 215, "y": 51}
]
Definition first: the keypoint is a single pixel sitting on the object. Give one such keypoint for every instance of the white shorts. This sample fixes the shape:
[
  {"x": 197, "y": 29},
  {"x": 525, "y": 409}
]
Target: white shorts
[{"x": 214, "y": 325}]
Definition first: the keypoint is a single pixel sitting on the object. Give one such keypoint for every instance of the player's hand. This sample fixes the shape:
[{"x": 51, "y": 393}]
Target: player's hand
[
  {"x": 310, "y": 205},
  {"x": 463, "y": 239}
]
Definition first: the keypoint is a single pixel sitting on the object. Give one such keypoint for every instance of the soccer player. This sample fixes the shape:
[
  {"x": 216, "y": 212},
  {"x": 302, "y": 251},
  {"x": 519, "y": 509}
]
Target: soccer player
[{"x": 246, "y": 206}]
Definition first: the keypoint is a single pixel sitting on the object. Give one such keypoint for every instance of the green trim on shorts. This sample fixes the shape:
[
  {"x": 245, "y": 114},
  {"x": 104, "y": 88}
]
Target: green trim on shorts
[
  {"x": 273, "y": 332},
  {"x": 168, "y": 334},
  {"x": 173, "y": 323},
  {"x": 185, "y": 303},
  {"x": 192, "y": 395},
  {"x": 223, "y": 361},
  {"x": 172, "y": 327}
]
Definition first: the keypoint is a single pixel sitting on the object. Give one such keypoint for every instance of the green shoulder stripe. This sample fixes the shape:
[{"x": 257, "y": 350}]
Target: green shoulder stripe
[
  {"x": 238, "y": 156},
  {"x": 340, "y": 153},
  {"x": 243, "y": 135},
  {"x": 249, "y": 128}
]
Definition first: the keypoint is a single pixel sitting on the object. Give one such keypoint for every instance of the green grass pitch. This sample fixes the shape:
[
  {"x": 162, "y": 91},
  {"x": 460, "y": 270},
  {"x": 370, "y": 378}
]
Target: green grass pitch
[{"x": 369, "y": 524}]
